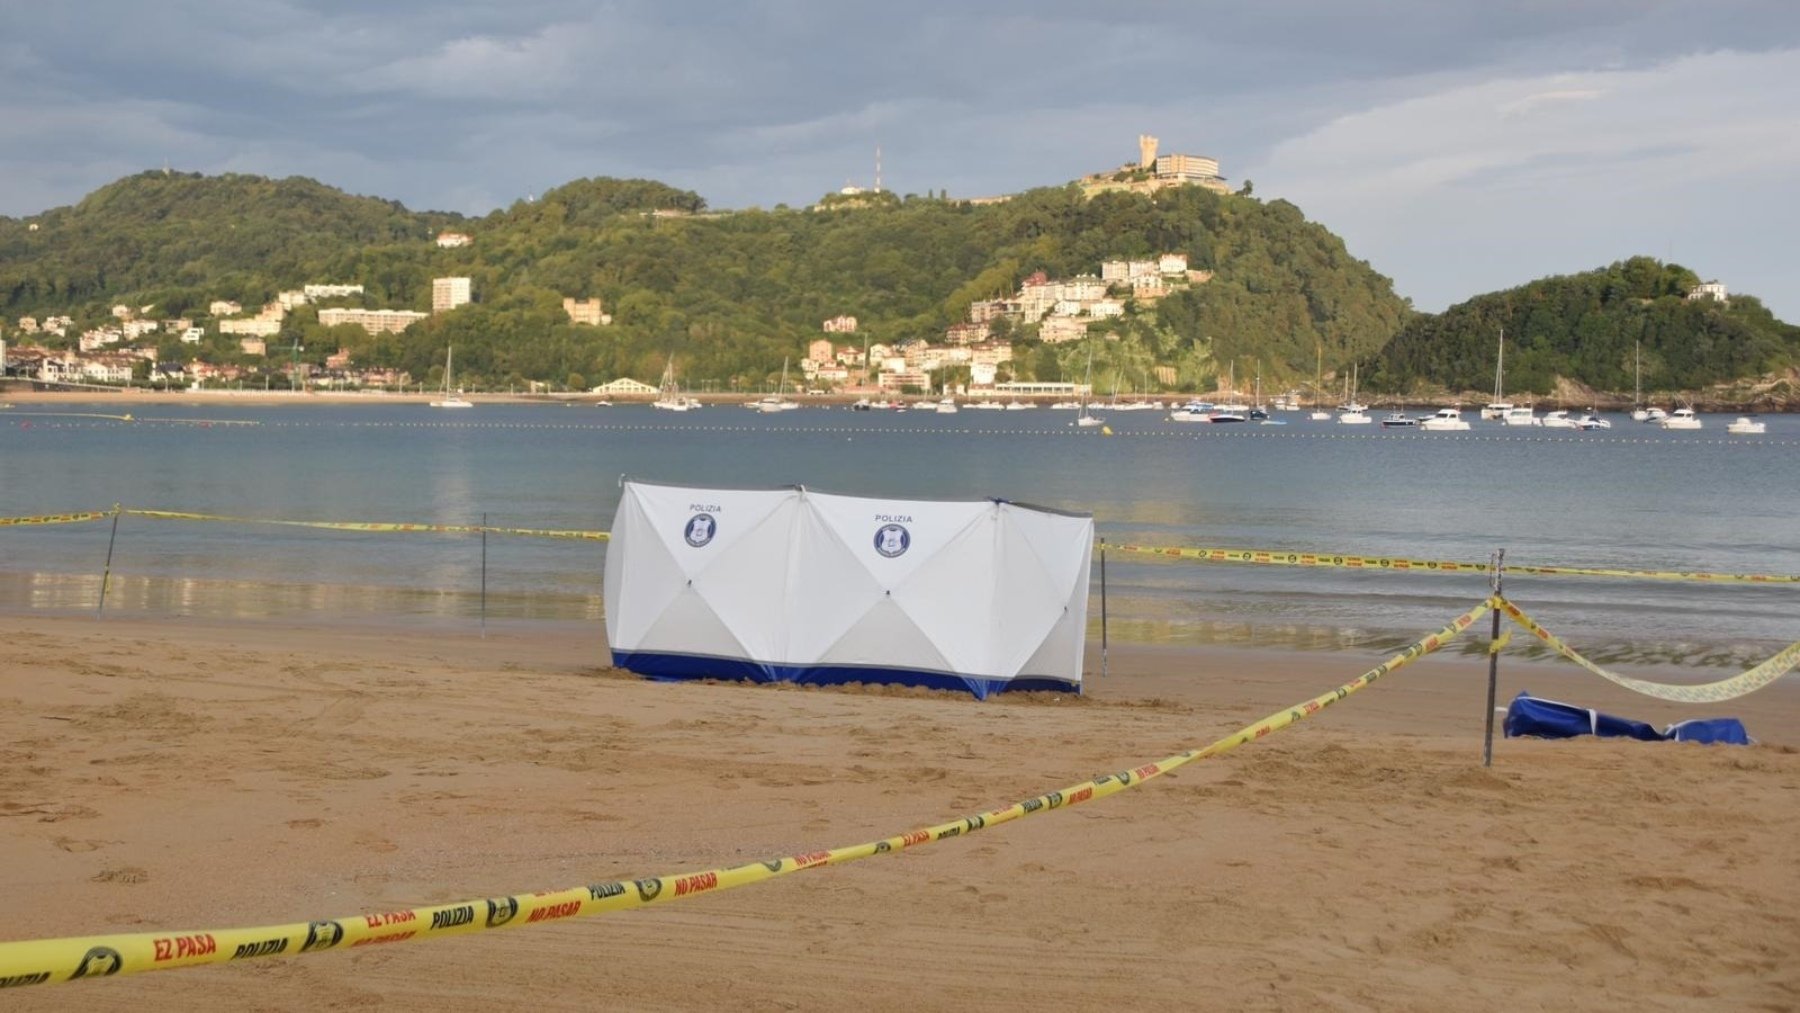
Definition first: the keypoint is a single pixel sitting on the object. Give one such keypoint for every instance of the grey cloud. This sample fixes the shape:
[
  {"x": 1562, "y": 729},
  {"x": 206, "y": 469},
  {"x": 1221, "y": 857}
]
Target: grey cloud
[{"x": 465, "y": 106}]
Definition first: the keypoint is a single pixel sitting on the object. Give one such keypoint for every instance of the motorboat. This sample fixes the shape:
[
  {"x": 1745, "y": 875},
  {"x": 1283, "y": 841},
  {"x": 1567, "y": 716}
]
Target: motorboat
[
  {"x": 1399, "y": 420},
  {"x": 1652, "y": 414},
  {"x": 1226, "y": 415},
  {"x": 985, "y": 406},
  {"x": 1744, "y": 425},
  {"x": 1019, "y": 406},
  {"x": 1558, "y": 419},
  {"x": 1682, "y": 418},
  {"x": 947, "y": 405},
  {"x": 1592, "y": 420},
  {"x": 1354, "y": 414},
  {"x": 448, "y": 399},
  {"x": 862, "y": 404},
  {"x": 1445, "y": 420},
  {"x": 1066, "y": 406},
  {"x": 1521, "y": 415}
]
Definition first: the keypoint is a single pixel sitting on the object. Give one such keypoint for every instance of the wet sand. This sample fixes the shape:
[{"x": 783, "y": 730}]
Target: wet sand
[{"x": 184, "y": 775}]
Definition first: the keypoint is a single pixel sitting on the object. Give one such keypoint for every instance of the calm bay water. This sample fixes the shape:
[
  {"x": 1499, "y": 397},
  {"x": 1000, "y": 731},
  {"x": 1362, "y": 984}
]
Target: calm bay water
[{"x": 1634, "y": 497}]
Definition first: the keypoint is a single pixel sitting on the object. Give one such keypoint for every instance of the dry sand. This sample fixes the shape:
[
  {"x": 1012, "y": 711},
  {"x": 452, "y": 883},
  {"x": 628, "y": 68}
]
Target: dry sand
[{"x": 170, "y": 775}]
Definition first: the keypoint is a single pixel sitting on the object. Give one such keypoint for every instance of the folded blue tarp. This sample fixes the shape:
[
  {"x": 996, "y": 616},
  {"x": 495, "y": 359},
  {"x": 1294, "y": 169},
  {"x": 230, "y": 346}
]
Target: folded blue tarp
[
  {"x": 1728, "y": 731},
  {"x": 1549, "y": 719}
]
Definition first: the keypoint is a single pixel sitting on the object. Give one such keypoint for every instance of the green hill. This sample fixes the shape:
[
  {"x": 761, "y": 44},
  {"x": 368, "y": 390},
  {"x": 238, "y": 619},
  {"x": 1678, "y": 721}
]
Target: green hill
[
  {"x": 730, "y": 294},
  {"x": 181, "y": 240},
  {"x": 1589, "y": 328}
]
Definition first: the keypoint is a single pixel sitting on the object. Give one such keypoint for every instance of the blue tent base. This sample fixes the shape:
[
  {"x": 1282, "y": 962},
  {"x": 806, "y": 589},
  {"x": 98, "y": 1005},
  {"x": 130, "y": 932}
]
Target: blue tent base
[
  {"x": 1548, "y": 719},
  {"x": 679, "y": 667}
]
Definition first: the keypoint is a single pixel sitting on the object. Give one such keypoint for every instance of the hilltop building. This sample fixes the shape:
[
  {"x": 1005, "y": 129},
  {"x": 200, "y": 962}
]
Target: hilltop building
[
  {"x": 1153, "y": 172},
  {"x": 451, "y": 240}
]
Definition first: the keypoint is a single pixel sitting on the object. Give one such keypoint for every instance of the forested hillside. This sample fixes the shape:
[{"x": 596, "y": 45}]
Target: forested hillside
[
  {"x": 1590, "y": 327},
  {"x": 730, "y": 295}
]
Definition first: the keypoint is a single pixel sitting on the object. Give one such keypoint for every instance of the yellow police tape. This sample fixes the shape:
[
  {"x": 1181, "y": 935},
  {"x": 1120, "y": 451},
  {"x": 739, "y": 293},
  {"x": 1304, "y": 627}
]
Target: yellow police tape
[
  {"x": 1711, "y": 692},
  {"x": 40, "y": 961},
  {"x": 92, "y": 515},
  {"x": 1276, "y": 557},
  {"x": 1266, "y": 557},
  {"x": 440, "y": 529}
]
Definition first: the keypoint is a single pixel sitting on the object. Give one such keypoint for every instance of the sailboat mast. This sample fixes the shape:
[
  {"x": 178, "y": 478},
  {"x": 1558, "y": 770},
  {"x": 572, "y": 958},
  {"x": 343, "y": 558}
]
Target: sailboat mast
[{"x": 1500, "y": 368}]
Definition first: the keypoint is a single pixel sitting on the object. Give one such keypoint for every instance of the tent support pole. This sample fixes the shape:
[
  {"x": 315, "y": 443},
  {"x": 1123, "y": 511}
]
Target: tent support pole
[
  {"x": 1494, "y": 582},
  {"x": 1103, "y": 639},
  {"x": 484, "y": 576},
  {"x": 106, "y": 573}
]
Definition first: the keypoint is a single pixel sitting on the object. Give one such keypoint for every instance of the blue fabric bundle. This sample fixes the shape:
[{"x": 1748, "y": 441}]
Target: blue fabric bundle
[{"x": 1548, "y": 719}]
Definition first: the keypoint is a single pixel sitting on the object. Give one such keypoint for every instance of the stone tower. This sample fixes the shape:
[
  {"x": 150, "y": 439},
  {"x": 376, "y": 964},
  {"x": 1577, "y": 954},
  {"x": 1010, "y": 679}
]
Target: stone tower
[{"x": 1146, "y": 151}]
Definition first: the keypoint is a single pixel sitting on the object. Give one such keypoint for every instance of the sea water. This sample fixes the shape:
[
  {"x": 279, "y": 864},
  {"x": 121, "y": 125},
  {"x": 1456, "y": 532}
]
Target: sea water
[{"x": 1634, "y": 497}]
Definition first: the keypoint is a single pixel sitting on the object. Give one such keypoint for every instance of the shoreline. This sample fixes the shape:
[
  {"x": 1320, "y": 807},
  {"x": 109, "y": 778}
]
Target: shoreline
[
  {"x": 181, "y": 777},
  {"x": 11, "y": 392}
]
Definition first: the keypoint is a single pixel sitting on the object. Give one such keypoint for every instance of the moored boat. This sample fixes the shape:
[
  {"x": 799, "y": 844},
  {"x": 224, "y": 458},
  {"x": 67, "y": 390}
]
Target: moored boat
[
  {"x": 1745, "y": 425},
  {"x": 1682, "y": 418},
  {"x": 1521, "y": 415},
  {"x": 1445, "y": 420}
]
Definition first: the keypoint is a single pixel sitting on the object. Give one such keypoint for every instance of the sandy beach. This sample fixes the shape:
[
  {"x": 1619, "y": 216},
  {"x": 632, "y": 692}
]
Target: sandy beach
[{"x": 178, "y": 775}]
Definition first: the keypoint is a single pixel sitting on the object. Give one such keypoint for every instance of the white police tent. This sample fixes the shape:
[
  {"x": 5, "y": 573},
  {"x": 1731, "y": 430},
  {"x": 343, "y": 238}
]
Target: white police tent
[{"x": 800, "y": 586}]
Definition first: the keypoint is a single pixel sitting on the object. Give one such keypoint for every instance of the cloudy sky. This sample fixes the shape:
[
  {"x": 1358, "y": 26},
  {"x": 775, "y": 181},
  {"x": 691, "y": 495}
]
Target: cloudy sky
[{"x": 1459, "y": 146}]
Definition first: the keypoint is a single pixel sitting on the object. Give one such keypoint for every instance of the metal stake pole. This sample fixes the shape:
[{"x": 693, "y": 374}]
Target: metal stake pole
[
  {"x": 1494, "y": 581},
  {"x": 1103, "y": 638},
  {"x": 484, "y": 526},
  {"x": 106, "y": 574}
]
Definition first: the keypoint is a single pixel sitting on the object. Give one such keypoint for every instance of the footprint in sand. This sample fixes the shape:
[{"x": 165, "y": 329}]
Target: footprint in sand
[
  {"x": 72, "y": 845},
  {"x": 128, "y": 875},
  {"x": 375, "y": 842},
  {"x": 307, "y": 824}
]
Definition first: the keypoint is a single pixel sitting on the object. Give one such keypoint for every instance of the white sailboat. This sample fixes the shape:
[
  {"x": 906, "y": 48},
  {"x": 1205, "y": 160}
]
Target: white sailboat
[
  {"x": 1499, "y": 407},
  {"x": 778, "y": 401},
  {"x": 1638, "y": 412},
  {"x": 449, "y": 399},
  {"x": 671, "y": 399},
  {"x": 1086, "y": 419},
  {"x": 947, "y": 404},
  {"x": 1319, "y": 414},
  {"x": 1352, "y": 413}
]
